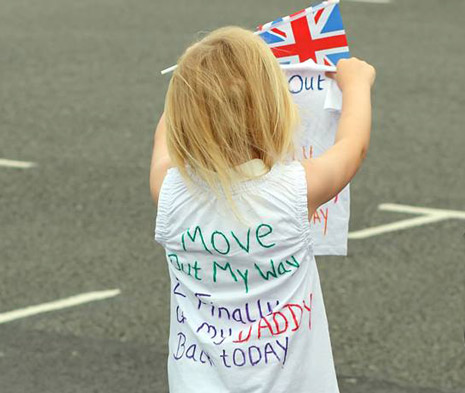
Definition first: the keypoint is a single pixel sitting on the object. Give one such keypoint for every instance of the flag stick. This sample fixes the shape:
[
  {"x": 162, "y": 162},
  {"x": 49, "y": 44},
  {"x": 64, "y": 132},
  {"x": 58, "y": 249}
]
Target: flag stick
[
  {"x": 268, "y": 25},
  {"x": 169, "y": 69},
  {"x": 306, "y": 65}
]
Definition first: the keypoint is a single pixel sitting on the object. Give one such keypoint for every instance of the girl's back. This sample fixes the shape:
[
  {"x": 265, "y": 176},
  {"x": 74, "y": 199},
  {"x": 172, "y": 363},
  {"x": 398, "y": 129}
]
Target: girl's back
[{"x": 247, "y": 312}]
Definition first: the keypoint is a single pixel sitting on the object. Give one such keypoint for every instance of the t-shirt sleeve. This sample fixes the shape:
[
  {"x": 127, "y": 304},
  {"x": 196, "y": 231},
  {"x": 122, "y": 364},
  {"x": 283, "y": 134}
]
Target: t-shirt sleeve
[
  {"x": 162, "y": 212},
  {"x": 302, "y": 203}
]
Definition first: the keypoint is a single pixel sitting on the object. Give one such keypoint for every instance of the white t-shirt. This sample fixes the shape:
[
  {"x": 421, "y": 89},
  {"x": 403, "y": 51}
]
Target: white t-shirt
[
  {"x": 320, "y": 102},
  {"x": 247, "y": 311}
]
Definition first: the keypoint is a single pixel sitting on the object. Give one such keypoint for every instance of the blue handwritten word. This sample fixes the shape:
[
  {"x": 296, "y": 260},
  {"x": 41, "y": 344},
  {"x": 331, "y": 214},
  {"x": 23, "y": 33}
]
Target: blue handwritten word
[{"x": 298, "y": 83}]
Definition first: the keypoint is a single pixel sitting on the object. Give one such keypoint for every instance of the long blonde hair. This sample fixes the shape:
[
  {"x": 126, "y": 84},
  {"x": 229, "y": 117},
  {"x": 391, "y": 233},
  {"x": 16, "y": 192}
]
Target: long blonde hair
[{"x": 227, "y": 103}]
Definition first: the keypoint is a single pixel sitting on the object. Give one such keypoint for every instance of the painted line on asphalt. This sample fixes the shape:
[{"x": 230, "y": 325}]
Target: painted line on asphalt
[
  {"x": 393, "y": 207},
  {"x": 427, "y": 216},
  {"x": 16, "y": 164},
  {"x": 58, "y": 305},
  {"x": 370, "y": 1}
]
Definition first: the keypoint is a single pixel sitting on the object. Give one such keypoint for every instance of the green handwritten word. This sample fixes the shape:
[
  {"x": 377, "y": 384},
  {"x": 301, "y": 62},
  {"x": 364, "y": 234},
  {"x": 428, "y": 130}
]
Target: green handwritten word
[
  {"x": 187, "y": 268},
  {"x": 225, "y": 242},
  {"x": 246, "y": 248},
  {"x": 282, "y": 268},
  {"x": 227, "y": 266},
  {"x": 222, "y": 244},
  {"x": 193, "y": 237},
  {"x": 259, "y": 236}
]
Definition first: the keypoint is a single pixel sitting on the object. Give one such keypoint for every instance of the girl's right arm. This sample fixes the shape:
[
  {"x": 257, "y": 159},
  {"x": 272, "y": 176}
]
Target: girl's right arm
[
  {"x": 160, "y": 160},
  {"x": 328, "y": 174}
]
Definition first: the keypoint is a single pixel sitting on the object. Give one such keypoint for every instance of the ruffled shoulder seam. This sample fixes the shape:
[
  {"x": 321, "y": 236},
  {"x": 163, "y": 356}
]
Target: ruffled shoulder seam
[
  {"x": 302, "y": 203},
  {"x": 163, "y": 209}
]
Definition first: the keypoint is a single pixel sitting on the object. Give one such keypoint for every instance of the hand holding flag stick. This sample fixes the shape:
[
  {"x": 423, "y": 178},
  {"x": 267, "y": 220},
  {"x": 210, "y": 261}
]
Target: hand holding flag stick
[{"x": 313, "y": 37}]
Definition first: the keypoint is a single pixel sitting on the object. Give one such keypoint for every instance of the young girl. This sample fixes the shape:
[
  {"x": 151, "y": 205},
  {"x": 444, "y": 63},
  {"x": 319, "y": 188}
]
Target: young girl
[{"x": 247, "y": 312}]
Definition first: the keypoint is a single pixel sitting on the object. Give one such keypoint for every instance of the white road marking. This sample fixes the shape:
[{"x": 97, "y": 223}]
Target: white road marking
[
  {"x": 16, "y": 164},
  {"x": 57, "y": 305},
  {"x": 395, "y": 226},
  {"x": 370, "y": 1},
  {"x": 393, "y": 207},
  {"x": 427, "y": 216}
]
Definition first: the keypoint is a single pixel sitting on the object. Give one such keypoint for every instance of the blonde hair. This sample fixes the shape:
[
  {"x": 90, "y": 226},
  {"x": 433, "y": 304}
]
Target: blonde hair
[{"x": 227, "y": 103}]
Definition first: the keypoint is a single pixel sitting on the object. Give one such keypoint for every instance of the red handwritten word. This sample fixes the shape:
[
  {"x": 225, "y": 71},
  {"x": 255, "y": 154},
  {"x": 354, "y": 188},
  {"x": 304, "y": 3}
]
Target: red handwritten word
[
  {"x": 305, "y": 154},
  {"x": 324, "y": 214},
  {"x": 278, "y": 323},
  {"x": 310, "y": 152}
]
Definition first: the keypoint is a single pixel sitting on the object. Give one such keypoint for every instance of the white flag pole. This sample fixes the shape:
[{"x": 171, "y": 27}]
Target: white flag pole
[
  {"x": 309, "y": 65},
  {"x": 324, "y": 68},
  {"x": 169, "y": 69}
]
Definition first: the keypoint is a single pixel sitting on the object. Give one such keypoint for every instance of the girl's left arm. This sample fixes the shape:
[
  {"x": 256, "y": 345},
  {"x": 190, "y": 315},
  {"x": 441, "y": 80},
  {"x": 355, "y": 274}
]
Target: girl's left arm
[{"x": 160, "y": 160}]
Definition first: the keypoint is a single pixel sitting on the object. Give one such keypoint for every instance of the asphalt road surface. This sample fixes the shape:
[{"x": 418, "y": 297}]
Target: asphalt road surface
[{"x": 80, "y": 94}]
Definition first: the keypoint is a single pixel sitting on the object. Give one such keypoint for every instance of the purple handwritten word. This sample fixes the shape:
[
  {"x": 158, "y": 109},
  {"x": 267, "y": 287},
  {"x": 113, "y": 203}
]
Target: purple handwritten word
[
  {"x": 239, "y": 314},
  {"x": 191, "y": 351},
  {"x": 238, "y": 357},
  {"x": 213, "y": 331},
  {"x": 255, "y": 354},
  {"x": 177, "y": 291},
  {"x": 180, "y": 315}
]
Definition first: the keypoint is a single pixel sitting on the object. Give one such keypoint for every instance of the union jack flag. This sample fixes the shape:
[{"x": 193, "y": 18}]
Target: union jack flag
[{"x": 315, "y": 33}]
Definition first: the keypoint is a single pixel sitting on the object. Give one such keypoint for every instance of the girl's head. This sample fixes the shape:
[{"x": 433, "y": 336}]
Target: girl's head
[{"x": 227, "y": 103}]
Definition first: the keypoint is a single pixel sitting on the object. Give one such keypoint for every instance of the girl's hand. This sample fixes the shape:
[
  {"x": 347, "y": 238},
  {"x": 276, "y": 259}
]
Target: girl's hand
[
  {"x": 353, "y": 72},
  {"x": 328, "y": 174}
]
